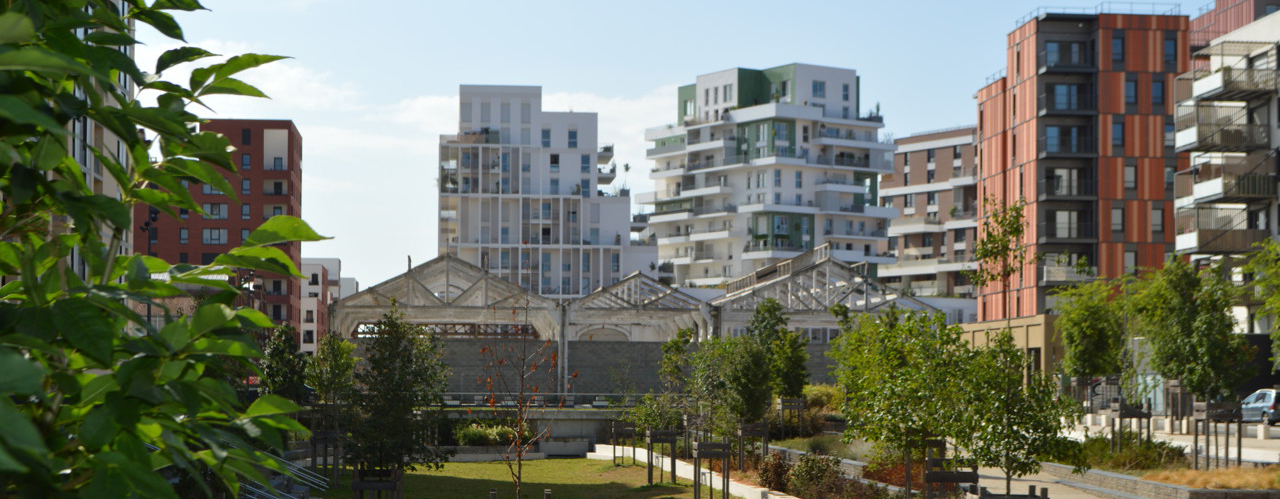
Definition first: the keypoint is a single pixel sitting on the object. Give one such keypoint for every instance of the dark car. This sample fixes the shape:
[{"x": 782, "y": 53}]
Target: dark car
[{"x": 1260, "y": 406}]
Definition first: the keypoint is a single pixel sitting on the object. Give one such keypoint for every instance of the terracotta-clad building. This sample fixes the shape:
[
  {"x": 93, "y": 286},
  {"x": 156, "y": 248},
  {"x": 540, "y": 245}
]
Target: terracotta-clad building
[
  {"x": 1227, "y": 16},
  {"x": 1080, "y": 127},
  {"x": 934, "y": 184},
  {"x": 268, "y": 182}
]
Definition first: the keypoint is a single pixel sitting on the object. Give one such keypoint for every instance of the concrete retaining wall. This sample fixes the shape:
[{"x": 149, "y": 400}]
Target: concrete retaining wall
[{"x": 1129, "y": 487}]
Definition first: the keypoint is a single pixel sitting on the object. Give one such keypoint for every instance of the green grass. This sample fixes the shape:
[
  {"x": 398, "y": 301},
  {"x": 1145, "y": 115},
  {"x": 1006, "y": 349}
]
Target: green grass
[
  {"x": 567, "y": 479},
  {"x": 829, "y": 445}
]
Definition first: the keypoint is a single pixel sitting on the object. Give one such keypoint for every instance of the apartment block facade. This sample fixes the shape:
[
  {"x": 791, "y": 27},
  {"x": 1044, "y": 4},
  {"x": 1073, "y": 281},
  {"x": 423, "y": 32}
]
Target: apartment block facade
[
  {"x": 1226, "y": 120},
  {"x": 268, "y": 182},
  {"x": 762, "y": 165},
  {"x": 523, "y": 194},
  {"x": 322, "y": 285},
  {"x": 1224, "y": 17},
  {"x": 935, "y": 185},
  {"x": 1080, "y": 127}
]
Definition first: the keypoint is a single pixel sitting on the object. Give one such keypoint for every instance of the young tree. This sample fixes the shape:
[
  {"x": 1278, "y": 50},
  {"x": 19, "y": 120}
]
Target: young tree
[
  {"x": 284, "y": 367},
  {"x": 1001, "y": 250},
  {"x": 1092, "y": 326},
  {"x": 1186, "y": 318},
  {"x": 331, "y": 373},
  {"x": 784, "y": 347},
  {"x": 90, "y": 384},
  {"x": 729, "y": 383},
  {"x": 1264, "y": 266},
  {"x": 1015, "y": 415},
  {"x": 904, "y": 374},
  {"x": 402, "y": 382}
]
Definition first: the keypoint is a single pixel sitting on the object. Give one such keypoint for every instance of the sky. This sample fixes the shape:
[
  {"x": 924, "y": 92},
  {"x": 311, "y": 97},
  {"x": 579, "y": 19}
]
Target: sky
[{"x": 372, "y": 85}]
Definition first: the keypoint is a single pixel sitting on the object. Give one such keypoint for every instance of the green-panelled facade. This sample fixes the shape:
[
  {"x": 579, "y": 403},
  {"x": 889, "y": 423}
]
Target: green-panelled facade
[
  {"x": 753, "y": 88},
  {"x": 772, "y": 129},
  {"x": 674, "y": 206},
  {"x": 782, "y": 230},
  {"x": 684, "y": 95}
]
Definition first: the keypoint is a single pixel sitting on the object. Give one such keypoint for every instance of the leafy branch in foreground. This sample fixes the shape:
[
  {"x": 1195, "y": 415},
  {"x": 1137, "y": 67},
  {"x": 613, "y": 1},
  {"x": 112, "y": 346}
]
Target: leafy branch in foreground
[{"x": 100, "y": 399}]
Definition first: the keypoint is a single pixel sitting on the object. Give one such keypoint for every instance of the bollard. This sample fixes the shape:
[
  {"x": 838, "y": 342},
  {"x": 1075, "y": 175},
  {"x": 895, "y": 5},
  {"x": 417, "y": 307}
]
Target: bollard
[
  {"x": 493, "y": 493},
  {"x": 546, "y": 493}
]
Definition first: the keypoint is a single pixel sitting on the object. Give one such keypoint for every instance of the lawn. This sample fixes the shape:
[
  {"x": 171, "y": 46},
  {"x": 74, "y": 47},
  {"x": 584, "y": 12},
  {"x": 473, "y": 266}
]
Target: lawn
[{"x": 567, "y": 479}]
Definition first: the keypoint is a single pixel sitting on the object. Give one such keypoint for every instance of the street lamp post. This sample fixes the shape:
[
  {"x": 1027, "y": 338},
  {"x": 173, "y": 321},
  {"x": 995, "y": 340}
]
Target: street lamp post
[{"x": 146, "y": 228}]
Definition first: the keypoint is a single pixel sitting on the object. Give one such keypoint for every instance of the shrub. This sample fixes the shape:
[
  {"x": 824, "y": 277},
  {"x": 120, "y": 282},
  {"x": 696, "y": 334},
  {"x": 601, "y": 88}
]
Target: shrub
[
  {"x": 825, "y": 398},
  {"x": 1136, "y": 453},
  {"x": 470, "y": 435},
  {"x": 774, "y": 472},
  {"x": 480, "y": 434},
  {"x": 814, "y": 476}
]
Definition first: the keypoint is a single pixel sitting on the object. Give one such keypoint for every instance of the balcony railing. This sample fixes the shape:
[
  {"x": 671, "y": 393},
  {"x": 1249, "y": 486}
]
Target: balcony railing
[
  {"x": 767, "y": 245},
  {"x": 1080, "y": 103},
  {"x": 1067, "y": 145},
  {"x": 1066, "y": 61},
  {"x": 1230, "y": 179},
  {"x": 1067, "y": 231},
  {"x": 1216, "y": 230},
  {"x": 855, "y": 233},
  {"x": 1234, "y": 84},
  {"x": 1055, "y": 187},
  {"x": 1066, "y": 273},
  {"x": 706, "y": 210}
]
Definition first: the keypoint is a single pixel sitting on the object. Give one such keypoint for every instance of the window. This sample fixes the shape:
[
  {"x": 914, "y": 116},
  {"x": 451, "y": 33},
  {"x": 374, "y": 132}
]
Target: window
[
  {"x": 909, "y": 201},
  {"x": 728, "y": 92},
  {"x": 1117, "y": 219},
  {"x": 777, "y": 177},
  {"x": 613, "y": 262},
  {"x": 182, "y": 213},
  {"x": 486, "y": 114},
  {"x": 799, "y": 180},
  {"x": 244, "y": 211},
  {"x": 959, "y": 237},
  {"x": 554, "y": 161},
  {"x": 215, "y": 211},
  {"x": 573, "y": 138},
  {"x": 505, "y": 112},
  {"x": 246, "y": 136},
  {"x": 932, "y": 198},
  {"x": 1170, "y": 53},
  {"x": 799, "y": 202},
  {"x": 1130, "y": 92},
  {"x": 906, "y": 178},
  {"x": 706, "y": 96},
  {"x": 182, "y": 257},
  {"x": 1157, "y": 219},
  {"x": 819, "y": 89},
  {"x": 245, "y": 187},
  {"x": 277, "y": 163},
  {"x": 1117, "y": 132},
  {"x": 777, "y": 198},
  {"x": 928, "y": 176},
  {"x": 182, "y": 235},
  {"x": 1157, "y": 92},
  {"x": 244, "y": 235},
  {"x": 931, "y": 154},
  {"x": 308, "y": 336},
  {"x": 546, "y": 137},
  {"x": 246, "y": 161},
  {"x": 926, "y": 240},
  {"x": 555, "y": 186},
  {"x": 1117, "y": 46},
  {"x": 844, "y": 92},
  {"x": 214, "y": 236},
  {"x": 310, "y": 316},
  {"x": 585, "y": 187},
  {"x": 1130, "y": 176},
  {"x": 209, "y": 189},
  {"x": 1130, "y": 261}
]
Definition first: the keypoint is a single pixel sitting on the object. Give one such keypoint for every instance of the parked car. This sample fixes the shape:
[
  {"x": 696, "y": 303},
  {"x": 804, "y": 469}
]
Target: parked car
[{"x": 1260, "y": 406}]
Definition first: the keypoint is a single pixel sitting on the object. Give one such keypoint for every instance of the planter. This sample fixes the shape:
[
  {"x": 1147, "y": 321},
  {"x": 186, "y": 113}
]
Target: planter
[
  {"x": 486, "y": 453},
  {"x": 1117, "y": 486}
]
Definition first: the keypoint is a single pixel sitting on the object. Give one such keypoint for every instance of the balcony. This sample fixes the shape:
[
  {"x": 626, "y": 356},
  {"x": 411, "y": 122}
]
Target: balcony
[
  {"x": 915, "y": 224},
  {"x": 664, "y": 150},
  {"x": 723, "y": 209},
  {"x": 1067, "y": 232},
  {"x": 841, "y": 186},
  {"x": 764, "y": 248},
  {"x": 1064, "y": 274},
  {"x": 1209, "y": 127},
  {"x": 665, "y": 171},
  {"x": 1216, "y": 230},
  {"x": 1080, "y": 104},
  {"x": 855, "y": 234},
  {"x": 1228, "y": 180},
  {"x": 1233, "y": 84},
  {"x": 605, "y": 155},
  {"x": 1060, "y": 62},
  {"x": 1059, "y": 188},
  {"x": 1067, "y": 145}
]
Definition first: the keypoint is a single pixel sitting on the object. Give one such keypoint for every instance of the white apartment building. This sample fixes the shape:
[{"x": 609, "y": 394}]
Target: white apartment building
[
  {"x": 523, "y": 194},
  {"x": 1226, "y": 201},
  {"x": 762, "y": 165}
]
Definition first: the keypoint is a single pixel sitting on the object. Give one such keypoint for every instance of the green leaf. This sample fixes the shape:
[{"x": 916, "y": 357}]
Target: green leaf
[
  {"x": 180, "y": 55},
  {"x": 109, "y": 38},
  {"x": 282, "y": 228},
  {"x": 8, "y": 463},
  {"x": 18, "y": 111},
  {"x": 253, "y": 318},
  {"x": 19, "y": 432},
  {"x": 98, "y": 429},
  {"x": 16, "y": 28},
  {"x": 161, "y": 21},
  {"x": 266, "y": 258},
  {"x": 210, "y": 317},
  {"x": 269, "y": 404},
  {"x": 18, "y": 375},
  {"x": 186, "y": 5},
  {"x": 85, "y": 326},
  {"x": 41, "y": 59},
  {"x": 232, "y": 86},
  {"x": 225, "y": 347}
]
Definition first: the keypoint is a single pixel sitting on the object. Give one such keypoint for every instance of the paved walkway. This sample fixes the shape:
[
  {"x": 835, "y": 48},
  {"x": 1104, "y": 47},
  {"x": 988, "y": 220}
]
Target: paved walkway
[{"x": 993, "y": 480}]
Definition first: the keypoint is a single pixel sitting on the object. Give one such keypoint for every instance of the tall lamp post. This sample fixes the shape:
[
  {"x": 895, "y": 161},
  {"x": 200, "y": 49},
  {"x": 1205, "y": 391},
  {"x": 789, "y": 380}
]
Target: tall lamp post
[{"x": 147, "y": 227}]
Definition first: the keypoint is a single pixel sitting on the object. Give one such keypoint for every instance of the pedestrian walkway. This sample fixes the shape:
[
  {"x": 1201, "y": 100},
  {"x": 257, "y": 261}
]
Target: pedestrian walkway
[{"x": 993, "y": 480}]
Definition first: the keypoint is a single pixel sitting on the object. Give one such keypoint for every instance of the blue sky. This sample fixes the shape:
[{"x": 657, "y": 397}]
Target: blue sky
[{"x": 372, "y": 84}]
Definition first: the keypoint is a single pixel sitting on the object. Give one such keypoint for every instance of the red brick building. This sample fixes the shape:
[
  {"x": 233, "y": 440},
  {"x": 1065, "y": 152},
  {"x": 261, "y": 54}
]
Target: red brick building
[
  {"x": 1080, "y": 127},
  {"x": 267, "y": 182}
]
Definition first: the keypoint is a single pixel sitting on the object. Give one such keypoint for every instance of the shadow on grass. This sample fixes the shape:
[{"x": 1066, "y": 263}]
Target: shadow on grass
[{"x": 477, "y": 488}]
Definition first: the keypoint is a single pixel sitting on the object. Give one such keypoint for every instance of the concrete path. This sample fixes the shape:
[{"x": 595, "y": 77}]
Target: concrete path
[
  {"x": 993, "y": 480},
  {"x": 685, "y": 470}
]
